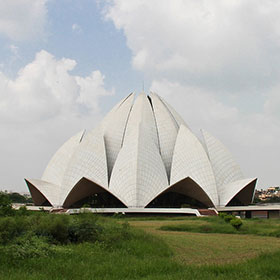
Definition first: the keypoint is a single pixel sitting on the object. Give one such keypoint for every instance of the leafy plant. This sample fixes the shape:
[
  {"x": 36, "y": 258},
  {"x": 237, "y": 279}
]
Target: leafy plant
[
  {"x": 228, "y": 218},
  {"x": 29, "y": 246},
  {"x": 22, "y": 211},
  {"x": 6, "y": 205},
  {"x": 236, "y": 223},
  {"x": 222, "y": 215}
]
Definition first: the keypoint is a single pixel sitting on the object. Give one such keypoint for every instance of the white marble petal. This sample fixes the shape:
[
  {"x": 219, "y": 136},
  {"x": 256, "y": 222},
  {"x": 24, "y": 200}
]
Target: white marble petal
[
  {"x": 225, "y": 168},
  {"x": 89, "y": 160},
  {"x": 167, "y": 128},
  {"x": 114, "y": 131},
  {"x": 139, "y": 173},
  {"x": 229, "y": 191},
  {"x": 142, "y": 112},
  {"x": 175, "y": 115},
  {"x": 191, "y": 160},
  {"x": 57, "y": 165},
  {"x": 48, "y": 190}
]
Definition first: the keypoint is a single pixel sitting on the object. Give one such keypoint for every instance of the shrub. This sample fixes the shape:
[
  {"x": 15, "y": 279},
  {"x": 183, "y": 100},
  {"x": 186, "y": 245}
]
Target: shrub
[
  {"x": 58, "y": 229},
  {"x": 53, "y": 227},
  {"x": 236, "y": 223},
  {"x": 228, "y": 218},
  {"x": 10, "y": 228},
  {"x": 118, "y": 215},
  {"x": 84, "y": 228},
  {"x": 6, "y": 205},
  {"x": 222, "y": 215},
  {"x": 22, "y": 211},
  {"x": 28, "y": 246}
]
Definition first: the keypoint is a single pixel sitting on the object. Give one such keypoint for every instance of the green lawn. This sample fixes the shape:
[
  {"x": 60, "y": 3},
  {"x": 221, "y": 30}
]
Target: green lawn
[{"x": 143, "y": 251}]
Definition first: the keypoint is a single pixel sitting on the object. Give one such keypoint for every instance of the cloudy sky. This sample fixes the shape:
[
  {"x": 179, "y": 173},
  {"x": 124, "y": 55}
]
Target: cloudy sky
[{"x": 64, "y": 64}]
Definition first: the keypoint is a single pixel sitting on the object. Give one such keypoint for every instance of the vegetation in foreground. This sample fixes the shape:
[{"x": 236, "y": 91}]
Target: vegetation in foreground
[
  {"x": 48, "y": 246},
  {"x": 111, "y": 250},
  {"x": 225, "y": 224}
]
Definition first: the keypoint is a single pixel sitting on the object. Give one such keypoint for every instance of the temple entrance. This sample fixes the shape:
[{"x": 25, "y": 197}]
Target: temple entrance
[
  {"x": 87, "y": 193},
  {"x": 175, "y": 200}
]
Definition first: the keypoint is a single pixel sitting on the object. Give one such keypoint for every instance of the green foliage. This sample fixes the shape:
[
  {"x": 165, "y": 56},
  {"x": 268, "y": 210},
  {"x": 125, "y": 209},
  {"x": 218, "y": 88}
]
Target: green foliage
[
  {"x": 117, "y": 215},
  {"x": 212, "y": 224},
  {"x": 35, "y": 249},
  {"x": 58, "y": 229},
  {"x": 141, "y": 256},
  {"x": 228, "y": 218},
  {"x": 6, "y": 205},
  {"x": 22, "y": 211},
  {"x": 84, "y": 228},
  {"x": 10, "y": 228},
  {"x": 63, "y": 229},
  {"x": 15, "y": 197},
  {"x": 222, "y": 214},
  {"x": 28, "y": 246},
  {"x": 236, "y": 223}
]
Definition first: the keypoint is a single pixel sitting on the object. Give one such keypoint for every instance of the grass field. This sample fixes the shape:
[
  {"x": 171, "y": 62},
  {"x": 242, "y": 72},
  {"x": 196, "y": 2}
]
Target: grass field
[
  {"x": 214, "y": 224},
  {"x": 144, "y": 251},
  {"x": 211, "y": 248}
]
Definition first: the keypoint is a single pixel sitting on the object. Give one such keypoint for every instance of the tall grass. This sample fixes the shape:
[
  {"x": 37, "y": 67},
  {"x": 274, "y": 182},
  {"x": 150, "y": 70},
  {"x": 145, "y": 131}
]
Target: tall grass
[
  {"x": 141, "y": 256},
  {"x": 56, "y": 247}
]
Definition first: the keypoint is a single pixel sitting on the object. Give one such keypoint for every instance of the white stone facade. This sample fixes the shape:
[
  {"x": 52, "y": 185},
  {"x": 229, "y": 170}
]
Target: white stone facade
[{"x": 141, "y": 150}]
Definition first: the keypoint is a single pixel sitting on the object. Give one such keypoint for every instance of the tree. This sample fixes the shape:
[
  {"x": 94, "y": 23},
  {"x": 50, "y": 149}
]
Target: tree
[{"x": 6, "y": 208}]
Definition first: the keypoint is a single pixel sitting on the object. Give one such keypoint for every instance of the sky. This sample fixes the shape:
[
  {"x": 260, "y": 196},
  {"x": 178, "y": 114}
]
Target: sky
[{"x": 64, "y": 64}]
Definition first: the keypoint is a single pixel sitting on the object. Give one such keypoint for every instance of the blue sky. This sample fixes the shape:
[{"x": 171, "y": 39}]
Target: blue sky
[
  {"x": 64, "y": 64},
  {"x": 78, "y": 30}
]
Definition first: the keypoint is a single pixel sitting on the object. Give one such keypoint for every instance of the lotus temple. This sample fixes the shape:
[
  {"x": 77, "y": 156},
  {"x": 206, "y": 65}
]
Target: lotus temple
[{"x": 142, "y": 156}]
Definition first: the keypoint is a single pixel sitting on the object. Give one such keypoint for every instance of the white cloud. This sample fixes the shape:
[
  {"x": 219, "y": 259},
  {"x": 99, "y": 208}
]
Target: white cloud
[
  {"x": 253, "y": 138},
  {"x": 215, "y": 43},
  {"x": 39, "y": 109},
  {"x": 76, "y": 28},
  {"x": 45, "y": 89},
  {"x": 23, "y": 19},
  {"x": 14, "y": 50},
  {"x": 217, "y": 63}
]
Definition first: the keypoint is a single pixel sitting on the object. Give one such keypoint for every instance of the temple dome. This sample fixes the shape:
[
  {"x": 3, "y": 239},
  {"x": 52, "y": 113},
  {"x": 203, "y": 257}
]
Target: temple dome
[{"x": 141, "y": 155}]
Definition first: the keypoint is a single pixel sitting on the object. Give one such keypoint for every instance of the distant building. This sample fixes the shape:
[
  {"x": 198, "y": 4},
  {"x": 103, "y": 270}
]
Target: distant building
[
  {"x": 269, "y": 193},
  {"x": 142, "y": 155}
]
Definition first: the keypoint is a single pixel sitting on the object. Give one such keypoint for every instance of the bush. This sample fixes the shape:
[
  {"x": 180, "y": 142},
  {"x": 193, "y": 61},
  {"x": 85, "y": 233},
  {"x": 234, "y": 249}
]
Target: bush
[
  {"x": 10, "y": 228},
  {"x": 28, "y": 246},
  {"x": 228, "y": 218},
  {"x": 236, "y": 223},
  {"x": 52, "y": 227},
  {"x": 60, "y": 229},
  {"x": 222, "y": 215},
  {"x": 5, "y": 205},
  {"x": 65, "y": 229},
  {"x": 84, "y": 228},
  {"x": 118, "y": 215},
  {"x": 22, "y": 211}
]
